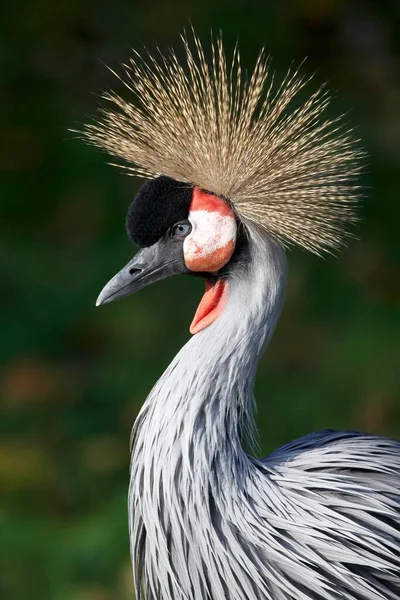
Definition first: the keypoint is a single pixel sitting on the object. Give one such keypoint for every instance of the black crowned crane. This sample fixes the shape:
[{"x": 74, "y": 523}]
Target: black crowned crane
[{"x": 234, "y": 177}]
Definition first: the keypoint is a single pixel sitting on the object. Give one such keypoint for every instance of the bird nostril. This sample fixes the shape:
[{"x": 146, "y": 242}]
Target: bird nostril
[{"x": 134, "y": 270}]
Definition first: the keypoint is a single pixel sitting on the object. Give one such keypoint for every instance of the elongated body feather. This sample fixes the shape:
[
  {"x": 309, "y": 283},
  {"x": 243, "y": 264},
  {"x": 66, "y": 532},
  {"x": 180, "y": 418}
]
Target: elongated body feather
[{"x": 318, "y": 519}]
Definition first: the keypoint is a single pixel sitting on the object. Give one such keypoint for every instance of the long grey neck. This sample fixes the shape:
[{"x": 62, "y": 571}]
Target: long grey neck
[
  {"x": 187, "y": 453},
  {"x": 205, "y": 399}
]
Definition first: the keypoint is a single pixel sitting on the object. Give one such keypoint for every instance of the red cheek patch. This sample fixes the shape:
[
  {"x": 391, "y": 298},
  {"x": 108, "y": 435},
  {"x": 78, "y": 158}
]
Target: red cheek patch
[
  {"x": 201, "y": 260},
  {"x": 212, "y": 241},
  {"x": 211, "y": 305},
  {"x": 204, "y": 201}
]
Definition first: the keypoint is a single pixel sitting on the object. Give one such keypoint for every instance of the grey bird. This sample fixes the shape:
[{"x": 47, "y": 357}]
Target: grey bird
[{"x": 234, "y": 176}]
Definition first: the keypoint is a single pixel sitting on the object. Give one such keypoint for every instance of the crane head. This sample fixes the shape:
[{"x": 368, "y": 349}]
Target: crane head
[
  {"x": 230, "y": 149},
  {"x": 285, "y": 165},
  {"x": 179, "y": 229}
]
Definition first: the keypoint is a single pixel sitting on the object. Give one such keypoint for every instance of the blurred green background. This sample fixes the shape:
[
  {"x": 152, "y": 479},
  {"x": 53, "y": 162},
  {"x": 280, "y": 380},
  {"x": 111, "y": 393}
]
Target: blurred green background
[{"x": 73, "y": 377}]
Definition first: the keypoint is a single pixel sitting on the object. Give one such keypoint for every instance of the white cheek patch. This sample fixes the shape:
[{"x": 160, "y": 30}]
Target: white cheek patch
[{"x": 211, "y": 242}]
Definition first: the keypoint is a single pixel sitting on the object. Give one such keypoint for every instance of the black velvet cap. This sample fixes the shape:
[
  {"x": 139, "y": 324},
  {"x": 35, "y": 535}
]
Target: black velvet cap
[{"x": 159, "y": 204}]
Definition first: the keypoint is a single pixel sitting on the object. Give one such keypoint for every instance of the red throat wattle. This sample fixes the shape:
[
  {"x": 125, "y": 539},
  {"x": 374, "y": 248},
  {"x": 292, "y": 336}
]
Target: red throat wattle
[{"x": 211, "y": 305}]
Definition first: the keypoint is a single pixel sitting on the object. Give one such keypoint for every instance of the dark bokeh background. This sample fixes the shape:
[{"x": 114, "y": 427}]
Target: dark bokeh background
[{"x": 72, "y": 377}]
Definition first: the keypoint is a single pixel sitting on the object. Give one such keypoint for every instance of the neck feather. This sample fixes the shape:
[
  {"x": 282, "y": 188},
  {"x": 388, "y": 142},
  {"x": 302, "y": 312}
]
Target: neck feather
[
  {"x": 206, "y": 392},
  {"x": 193, "y": 422}
]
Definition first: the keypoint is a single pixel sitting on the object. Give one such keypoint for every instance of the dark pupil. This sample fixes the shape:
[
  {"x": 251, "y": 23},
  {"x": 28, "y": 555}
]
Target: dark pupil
[{"x": 181, "y": 229}]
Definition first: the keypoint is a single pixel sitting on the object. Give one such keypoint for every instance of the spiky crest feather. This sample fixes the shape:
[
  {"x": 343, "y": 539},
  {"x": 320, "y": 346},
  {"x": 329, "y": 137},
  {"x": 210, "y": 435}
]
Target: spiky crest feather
[{"x": 290, "y": 172}]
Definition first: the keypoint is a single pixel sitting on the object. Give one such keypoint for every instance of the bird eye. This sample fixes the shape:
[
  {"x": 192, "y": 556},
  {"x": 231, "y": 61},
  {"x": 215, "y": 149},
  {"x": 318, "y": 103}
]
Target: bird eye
[{"x": 181, "y": 229}]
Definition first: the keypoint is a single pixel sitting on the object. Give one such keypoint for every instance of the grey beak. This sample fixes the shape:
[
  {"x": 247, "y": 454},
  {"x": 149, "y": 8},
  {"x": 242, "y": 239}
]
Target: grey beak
[{"x": 148, "y": 265}]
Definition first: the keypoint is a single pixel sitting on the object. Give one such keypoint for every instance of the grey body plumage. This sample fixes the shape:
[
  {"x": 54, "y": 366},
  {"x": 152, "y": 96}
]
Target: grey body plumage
[{"x": 319, "y": 519}]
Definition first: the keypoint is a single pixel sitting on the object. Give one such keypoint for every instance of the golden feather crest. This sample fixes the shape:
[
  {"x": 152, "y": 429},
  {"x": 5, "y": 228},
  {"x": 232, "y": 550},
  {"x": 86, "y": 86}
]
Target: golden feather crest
[{"x": 292, "y": 172}]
